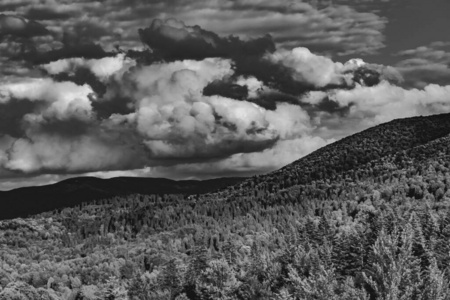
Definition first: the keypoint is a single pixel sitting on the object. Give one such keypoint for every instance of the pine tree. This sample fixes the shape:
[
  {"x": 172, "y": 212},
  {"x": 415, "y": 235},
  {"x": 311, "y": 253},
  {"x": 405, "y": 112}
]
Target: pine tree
[
  {"x": 197, "y": 264},
  {"x": 436, "y": 285},
  {"x": 169, "y": 278},
  {"x": 394, "y": 272}
]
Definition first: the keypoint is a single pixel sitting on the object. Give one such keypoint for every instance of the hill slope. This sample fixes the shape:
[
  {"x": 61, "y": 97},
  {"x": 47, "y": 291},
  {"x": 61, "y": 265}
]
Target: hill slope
[
  {"x": 339, "y": 161},
  {"x": 32, "y": 200},
  {"x": 365, "y": 218}
]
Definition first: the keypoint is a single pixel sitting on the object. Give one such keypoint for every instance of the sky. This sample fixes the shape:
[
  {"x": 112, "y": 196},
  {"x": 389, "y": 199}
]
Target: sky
[{"x": 196, "y": 89}]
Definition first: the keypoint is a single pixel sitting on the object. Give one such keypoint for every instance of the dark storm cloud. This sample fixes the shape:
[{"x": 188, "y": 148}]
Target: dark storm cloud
[
  {"x": 18, "y": 27},
  {"x": 175, "y": 41},
  {"x": 227, "y": 89}
]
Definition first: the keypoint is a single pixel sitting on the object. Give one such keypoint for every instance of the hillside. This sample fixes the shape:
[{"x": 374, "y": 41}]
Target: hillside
[
  {"x": 347, "y": 159},
  {"x": 27, "y": 201},
  {"x": 367, "y": 217}
]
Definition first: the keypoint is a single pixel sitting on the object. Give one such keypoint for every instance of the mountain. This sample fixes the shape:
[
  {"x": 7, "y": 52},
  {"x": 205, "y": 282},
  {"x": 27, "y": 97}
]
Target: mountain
[
  {"x": 67, "y": 193},
  {"x": 367, "y": 217},
  {"x": 349, "y": 159}
]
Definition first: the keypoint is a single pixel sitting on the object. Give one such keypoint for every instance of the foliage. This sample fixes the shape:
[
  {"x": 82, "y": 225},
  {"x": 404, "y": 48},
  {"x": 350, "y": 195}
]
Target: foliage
[{"x": 365, "y": 218}]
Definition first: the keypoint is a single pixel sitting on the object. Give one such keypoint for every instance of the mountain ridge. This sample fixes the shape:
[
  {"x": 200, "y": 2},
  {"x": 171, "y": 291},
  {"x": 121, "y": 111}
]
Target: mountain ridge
[
  {"x": 331, "y": 161},
  {"x": 26, "y": 201}
]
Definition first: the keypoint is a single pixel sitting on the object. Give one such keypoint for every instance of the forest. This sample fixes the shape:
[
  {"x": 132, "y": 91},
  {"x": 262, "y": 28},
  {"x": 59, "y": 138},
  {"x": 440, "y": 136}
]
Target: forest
[{"x": 364, "y": 218}]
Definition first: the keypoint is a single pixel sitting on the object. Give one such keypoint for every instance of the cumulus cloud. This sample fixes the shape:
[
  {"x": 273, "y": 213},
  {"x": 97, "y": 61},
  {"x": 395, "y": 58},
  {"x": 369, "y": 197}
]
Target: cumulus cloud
[
  {"x": 101, "y": 68},
  {"x": 370, "y": 106},
  {"x": 386, "y": 102},
  {"x": 59, "y": 100},
  {"x": 173, "y": 127},
  {"x": 178, "y": 121},
  {"x": 200, "y": 100},
  {"x": 316, "y": 70},
  {"x": 59, "y": 131},
  {"x": 171, "y": 121},
  {"x": 320, "y": 73}
]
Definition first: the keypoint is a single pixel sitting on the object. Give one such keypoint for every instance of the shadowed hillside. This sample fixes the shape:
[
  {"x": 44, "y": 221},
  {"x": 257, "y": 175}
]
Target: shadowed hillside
[{"x": 27, "y": 201}]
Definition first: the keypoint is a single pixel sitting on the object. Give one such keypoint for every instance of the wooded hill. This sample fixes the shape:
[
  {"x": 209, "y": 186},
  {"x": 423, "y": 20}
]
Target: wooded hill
[
  {"x": 367, "y": 217},
  {"x": 28, "y": 201}
]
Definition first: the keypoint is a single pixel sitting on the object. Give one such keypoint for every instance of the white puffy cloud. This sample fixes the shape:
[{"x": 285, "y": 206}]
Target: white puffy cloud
[
  {"x": 320, "y": 71},
  {"x": 62, "y": 100},
  {"x": 171, "y": 122},
  {"x": 176, "y": 120},
  {"x": 370, "y": 106},
  {"x": 253, "y": 85},
  {"x": 102, "y": 68},
  {"x": 172, "y": 129},
  {"x": 316, "y": 70}
]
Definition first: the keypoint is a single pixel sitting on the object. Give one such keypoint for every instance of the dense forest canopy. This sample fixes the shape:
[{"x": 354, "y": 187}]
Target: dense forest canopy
[{"x": 364, "y": 218}]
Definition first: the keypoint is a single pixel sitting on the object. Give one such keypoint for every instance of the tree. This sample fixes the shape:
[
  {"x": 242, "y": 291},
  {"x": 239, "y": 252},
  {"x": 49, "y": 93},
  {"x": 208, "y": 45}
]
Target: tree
[
  {"x": 217, "y": 281},
  {"x": 170, "y": 278},
  {"x": 114, "y": 290},
  {"x": 394, "y": 271},
  {"x": 139, "y": 288}
]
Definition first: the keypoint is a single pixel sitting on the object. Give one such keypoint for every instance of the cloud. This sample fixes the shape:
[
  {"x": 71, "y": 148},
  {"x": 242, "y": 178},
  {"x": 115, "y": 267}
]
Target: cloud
[
  {"x": 18, "y": 27},
  {"x": 191, "y": 101},
  {"x": 239, "y": 164},
  {"x": 101, "y": 68},
  {"x": 370, "y": 106},
  {"x": 322, "y": 28},
  {"x": 54, "y": 154},
  {"x": 170, "y": 121},
  {"x": 241, "y": 107},
  {"x": 58, "y": 100},
  {"x": 175, "y": 40},
  {"x": 52, "y": 11},
  {"x": 328, "y": 30},
  {"x": 318, "y": 71},
  {"x": 174, "y": 129},
  {"x": 321, "y": 73},
  {"x": 426, "y": 64},
  {"x": 178, "y": 121}
]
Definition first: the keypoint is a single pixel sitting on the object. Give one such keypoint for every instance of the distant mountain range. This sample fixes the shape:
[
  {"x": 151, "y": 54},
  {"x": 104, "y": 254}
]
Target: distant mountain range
[
  {"x": 27, "y": 201},
  {"x": 367, "y": 156}
]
